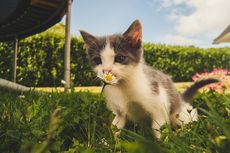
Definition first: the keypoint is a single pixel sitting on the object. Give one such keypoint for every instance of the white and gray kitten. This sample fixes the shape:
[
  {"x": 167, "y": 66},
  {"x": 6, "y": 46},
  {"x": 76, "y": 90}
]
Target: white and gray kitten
[{"x": 140, "y": 91}]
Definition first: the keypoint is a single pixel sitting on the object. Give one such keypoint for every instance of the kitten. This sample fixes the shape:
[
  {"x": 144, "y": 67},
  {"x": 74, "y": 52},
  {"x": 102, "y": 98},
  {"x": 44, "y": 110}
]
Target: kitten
[{"x": 139, "y": 91}]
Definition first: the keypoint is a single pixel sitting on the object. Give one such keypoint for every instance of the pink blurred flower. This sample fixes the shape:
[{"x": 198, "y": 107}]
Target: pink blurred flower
[{"x": 216, "y": 73}]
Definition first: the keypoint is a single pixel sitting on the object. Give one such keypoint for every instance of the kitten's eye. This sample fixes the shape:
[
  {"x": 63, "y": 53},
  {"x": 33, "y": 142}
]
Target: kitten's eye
[
  {"x": 97, "y": 60},
  {"x": 120, "y": 58}
]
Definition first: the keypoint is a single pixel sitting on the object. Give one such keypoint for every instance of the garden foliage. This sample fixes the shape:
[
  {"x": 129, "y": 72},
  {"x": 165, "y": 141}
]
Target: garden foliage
[
  {"x": 81, "y": 123},
  {"x": 41, "y": 60}
]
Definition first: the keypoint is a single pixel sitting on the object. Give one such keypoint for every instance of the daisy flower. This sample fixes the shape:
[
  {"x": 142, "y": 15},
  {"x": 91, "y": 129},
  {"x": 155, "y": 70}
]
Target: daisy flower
[{"x": 108, "y": 78}]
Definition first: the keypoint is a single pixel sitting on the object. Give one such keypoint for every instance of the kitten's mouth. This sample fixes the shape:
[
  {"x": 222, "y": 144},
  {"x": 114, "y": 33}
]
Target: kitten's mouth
[{"x": 108, "y": 78}]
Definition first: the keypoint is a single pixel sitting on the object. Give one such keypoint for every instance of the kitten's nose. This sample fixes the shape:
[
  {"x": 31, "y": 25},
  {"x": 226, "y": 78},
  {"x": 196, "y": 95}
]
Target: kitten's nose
[{"x": 107, "y": 69}]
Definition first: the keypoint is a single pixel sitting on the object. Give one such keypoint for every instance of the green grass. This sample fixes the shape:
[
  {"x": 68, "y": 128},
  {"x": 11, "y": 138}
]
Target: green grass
[
  {"x": 80, "y": 122},
  {"x": 181, "y": 86},
  {"x": 92, "y": 89}
]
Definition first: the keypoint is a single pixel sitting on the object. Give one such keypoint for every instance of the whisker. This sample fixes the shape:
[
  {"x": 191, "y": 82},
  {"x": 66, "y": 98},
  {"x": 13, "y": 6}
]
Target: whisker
[{"x": 96, "y": 79}]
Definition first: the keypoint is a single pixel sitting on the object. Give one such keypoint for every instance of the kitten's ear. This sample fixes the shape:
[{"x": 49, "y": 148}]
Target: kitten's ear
[
  {"x": 89, "y": 39},
  {"x": 134, "y": 33}
]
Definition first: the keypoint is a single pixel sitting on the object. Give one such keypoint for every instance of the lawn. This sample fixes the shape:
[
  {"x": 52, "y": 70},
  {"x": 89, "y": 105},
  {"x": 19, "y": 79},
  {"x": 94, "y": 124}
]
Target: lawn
[
  {"x": 40, "y": 122},
  {"x": 181, "y": 86}
]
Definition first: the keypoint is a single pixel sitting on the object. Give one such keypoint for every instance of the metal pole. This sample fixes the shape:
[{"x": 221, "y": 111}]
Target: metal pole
[
  {"x": 67, "y": 46},
  {"x": 14, "y": 74}
]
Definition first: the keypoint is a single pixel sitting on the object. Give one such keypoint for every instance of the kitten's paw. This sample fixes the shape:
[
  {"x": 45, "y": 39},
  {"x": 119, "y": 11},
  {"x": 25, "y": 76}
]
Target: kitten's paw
[
  {"x": 157, "y": 134},
  {"x": 187, "y": 114},
  {"x": 115, "y": 121},
  {"x": 115, "y": 130},
  {"x": 119, "y": 122},
  {"x": 117, "y": 134}
]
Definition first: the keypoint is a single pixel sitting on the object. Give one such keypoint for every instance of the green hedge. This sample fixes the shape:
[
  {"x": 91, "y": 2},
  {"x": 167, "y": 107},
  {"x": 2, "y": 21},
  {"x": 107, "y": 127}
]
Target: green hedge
[
  {"x": 183, "y": 62},
  {"x": 41, "y": 60}
]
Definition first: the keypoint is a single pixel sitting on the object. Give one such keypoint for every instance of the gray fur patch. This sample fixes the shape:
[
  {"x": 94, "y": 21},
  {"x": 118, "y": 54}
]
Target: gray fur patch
[
  {"x": 122, "y": 47},
  {"x": 158, "y": 78}
]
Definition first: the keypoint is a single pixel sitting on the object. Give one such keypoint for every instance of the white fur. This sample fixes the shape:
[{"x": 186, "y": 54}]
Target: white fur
[
  {"x": 136, "y": 88},
  {"x": 107, "y": 56},
  {"x": 187, "y": 114}
]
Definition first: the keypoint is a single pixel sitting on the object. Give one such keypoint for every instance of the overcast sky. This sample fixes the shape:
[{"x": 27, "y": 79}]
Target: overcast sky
[{"x": 180, "y": 22}]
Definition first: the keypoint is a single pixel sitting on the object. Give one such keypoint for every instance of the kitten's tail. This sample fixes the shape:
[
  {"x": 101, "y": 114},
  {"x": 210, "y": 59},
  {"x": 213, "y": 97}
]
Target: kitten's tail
[{"x": 191, "y": 91}]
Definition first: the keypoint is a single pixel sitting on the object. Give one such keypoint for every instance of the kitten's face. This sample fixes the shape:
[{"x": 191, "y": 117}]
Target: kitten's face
[{"x": 115, "y": 54}]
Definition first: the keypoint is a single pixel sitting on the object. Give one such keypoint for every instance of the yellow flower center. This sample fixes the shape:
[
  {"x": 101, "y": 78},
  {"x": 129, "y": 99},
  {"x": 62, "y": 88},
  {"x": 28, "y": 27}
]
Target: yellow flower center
[{"x": 109, "y": 77}]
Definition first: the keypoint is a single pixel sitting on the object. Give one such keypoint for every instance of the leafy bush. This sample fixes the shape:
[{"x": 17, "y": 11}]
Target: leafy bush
[
  {"x": 6, "y": 60},
  {"x": 41, "y": 60},
  {"x": 80, "y": 122},
  {"x": 183, "y": 62},
  {"x": 59, "y": 121}
]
